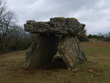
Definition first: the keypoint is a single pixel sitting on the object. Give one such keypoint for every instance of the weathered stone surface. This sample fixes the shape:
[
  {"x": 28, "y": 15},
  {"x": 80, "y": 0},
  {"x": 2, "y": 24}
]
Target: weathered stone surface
[
  {"x": 71, "y": 51},
  {"x": 43, "y": 49},
  {"x": 59, "y": 25},
  {"x": 57, "y": 35}
]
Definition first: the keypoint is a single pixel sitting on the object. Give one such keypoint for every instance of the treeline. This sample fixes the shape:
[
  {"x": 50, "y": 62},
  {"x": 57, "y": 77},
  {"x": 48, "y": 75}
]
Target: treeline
[
  {"x": 12, "y": 36},
  {"x": 100, "y": 36},
  {"x": 103, "y": 37},
  {"x": 82, "y": 36}
]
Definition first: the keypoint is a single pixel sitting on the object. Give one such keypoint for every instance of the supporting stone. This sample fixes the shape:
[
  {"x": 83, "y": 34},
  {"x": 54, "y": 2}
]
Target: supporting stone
[
  {"x": 44, "y": 47},
  {"x": 71, "y": 51}
]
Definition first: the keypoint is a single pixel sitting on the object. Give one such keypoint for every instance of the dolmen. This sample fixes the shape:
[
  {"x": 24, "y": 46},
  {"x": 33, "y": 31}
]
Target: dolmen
[{"x": 57, "y": 35}]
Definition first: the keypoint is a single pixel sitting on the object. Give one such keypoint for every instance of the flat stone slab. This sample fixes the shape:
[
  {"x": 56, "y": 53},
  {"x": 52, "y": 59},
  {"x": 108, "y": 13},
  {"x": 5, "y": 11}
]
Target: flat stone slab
[{"x": 58, "y": 25}]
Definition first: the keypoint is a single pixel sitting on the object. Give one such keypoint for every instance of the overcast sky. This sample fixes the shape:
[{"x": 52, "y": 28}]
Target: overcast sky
[{"x": 94, "y": 13}]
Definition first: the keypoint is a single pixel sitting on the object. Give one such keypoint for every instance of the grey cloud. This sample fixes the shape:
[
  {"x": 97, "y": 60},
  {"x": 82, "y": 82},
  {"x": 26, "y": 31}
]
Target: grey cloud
[{"x": 94, "y": 13}]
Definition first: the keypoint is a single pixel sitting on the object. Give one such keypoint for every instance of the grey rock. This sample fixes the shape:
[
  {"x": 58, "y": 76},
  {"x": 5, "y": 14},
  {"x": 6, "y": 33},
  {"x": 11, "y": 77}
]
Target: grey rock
[
  {"x": 57, "y": 35},
  {"x": 71, "y": 51},
  {"x": 58, "y": 25}
]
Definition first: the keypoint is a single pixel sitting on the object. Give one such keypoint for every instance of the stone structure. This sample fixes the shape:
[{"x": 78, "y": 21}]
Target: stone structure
[{"x": 57, "y": 35}]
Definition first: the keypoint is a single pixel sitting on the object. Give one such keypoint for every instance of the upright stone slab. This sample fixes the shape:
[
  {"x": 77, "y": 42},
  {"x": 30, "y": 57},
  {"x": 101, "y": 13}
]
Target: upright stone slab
[
  {"x": 58, "y": 34},
  {"x": 71, "y": 51},
  {"x": 43, "y": 49}
]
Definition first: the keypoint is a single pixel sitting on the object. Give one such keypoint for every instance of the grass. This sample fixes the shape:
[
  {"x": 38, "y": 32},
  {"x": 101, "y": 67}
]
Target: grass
[{"x": 95, "y": 70}]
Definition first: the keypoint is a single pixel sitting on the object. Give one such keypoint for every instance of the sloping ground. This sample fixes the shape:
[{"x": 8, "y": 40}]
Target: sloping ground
[{"x": 95, "y": 70}]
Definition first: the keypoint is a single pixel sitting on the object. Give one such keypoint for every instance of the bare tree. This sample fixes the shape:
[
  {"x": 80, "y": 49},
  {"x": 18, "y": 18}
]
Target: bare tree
[
  {"x": 7, "y": 19},
  {"x": 12, "y": 36}
]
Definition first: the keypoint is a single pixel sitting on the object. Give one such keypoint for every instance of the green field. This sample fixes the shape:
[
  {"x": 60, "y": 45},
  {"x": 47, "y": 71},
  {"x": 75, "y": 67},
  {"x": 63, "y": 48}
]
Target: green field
[{"x": 95, "y": 70}]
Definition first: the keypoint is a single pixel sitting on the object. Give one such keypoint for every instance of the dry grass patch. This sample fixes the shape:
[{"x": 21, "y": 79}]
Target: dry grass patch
[{"x": 95, "y": 70}]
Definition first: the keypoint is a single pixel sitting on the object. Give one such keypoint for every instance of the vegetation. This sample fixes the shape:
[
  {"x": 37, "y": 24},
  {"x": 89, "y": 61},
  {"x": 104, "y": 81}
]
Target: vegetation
[
  {"x": 101, "y": 37},
  {"x": 95, "y": 70},
  {"x": 107, "y": 39},
  {"x": 12, "y": 36},
  {"x": 82, "y": 36}
]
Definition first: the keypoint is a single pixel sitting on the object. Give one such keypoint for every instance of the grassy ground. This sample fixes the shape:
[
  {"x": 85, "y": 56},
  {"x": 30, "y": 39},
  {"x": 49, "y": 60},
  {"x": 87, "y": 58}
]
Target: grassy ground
[{"x": 95, "y": 70}]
